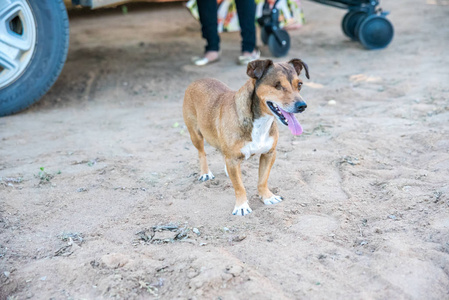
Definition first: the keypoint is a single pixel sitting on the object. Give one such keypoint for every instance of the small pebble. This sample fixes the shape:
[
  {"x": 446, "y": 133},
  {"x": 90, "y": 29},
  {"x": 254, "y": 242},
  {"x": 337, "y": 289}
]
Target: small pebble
[
  {"x": 196, "y": 231},
  {"x": 332, "y": 102}
]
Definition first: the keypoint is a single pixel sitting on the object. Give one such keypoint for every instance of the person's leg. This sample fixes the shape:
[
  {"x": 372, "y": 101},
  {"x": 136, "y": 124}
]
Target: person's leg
[
  {"x": 207, "y": 10},
  {"x": 246, "y": 10}
]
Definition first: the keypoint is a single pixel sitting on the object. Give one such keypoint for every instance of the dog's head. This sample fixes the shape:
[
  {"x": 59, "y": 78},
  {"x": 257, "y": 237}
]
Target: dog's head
[{"x": 278, "y": 87}]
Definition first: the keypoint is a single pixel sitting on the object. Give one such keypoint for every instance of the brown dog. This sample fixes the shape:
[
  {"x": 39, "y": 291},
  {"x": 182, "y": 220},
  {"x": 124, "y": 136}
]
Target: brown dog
[{"x": 240, "y": 124}]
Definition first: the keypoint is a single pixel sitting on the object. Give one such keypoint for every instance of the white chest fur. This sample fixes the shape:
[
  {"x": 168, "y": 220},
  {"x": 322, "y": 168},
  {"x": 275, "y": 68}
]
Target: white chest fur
[{"x": 261, "y": 139}]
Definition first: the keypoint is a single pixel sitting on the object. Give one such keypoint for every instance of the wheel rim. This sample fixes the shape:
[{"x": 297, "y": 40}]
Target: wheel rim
[
  {"x": 17, "y": 39},
  {"x": 376, "y": 32}
]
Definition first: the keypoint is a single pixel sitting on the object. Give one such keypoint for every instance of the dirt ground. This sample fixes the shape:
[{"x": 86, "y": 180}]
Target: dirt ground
[{"x": 117, "y": 212}]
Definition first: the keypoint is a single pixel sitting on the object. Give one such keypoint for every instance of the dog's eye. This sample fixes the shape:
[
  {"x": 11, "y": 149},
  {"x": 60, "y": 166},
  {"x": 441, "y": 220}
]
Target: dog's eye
[
  {"x": 278, "y": 86},
  {"x": 299, "y": 85}
]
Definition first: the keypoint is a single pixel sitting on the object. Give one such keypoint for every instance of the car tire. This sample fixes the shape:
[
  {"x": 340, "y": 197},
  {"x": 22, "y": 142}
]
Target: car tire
[{"x": 50, "y": 48}]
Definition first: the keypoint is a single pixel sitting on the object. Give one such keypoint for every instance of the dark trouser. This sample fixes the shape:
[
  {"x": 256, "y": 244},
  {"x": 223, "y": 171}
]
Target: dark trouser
[{"x": 246, "y": 10}]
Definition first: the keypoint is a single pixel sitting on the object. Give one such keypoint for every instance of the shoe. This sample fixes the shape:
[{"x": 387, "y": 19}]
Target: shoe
[
  {"x": 202, "y": 60},
  {"x": 245, "y": 59}
]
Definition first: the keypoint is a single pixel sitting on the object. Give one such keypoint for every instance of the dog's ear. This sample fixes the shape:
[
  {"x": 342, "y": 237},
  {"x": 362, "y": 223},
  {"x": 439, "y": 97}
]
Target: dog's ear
[
  {"x": 257, "y": 68},
  {"x": 299, "y": 65}
]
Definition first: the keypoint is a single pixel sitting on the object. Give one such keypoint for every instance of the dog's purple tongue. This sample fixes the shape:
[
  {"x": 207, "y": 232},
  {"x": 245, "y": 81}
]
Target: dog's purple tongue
[{"x": 293, "y": 124}]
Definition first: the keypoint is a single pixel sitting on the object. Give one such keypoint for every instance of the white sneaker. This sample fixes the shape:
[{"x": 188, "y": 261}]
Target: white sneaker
[
  {"x": 245, "y": 59},
  {"x": 202, "y": 60}
]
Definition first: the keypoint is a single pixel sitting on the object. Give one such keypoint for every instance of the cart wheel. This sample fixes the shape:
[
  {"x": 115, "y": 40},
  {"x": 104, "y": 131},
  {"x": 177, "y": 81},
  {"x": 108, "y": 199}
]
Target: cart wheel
[
  {"x": 276, "y": 48},
  {"x": 264, "y": 35},
  {"x": 375, "y": 32},
  {"x": 350, "y": 21}
]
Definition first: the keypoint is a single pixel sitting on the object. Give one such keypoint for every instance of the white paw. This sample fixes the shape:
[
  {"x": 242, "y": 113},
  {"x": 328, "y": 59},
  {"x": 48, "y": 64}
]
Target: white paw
[
  {"x": 242, "y": 210},
  {"x": 226, "y": 171},
  {"x": 273, "y": 200},
  {"x": 206, "y": 177}
]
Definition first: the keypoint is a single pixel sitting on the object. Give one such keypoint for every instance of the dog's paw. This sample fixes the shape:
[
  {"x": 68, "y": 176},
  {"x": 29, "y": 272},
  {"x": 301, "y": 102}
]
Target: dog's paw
[
  {"x": 242, "y": 210},
  {"x": 206, "y": 177},
  {"x": 273, "y": 200}
]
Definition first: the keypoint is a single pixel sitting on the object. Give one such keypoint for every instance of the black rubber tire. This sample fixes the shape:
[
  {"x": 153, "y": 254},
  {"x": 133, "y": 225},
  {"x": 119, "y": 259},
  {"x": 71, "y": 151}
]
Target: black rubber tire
[
  {"x": 276, "y": 48},
  {"x": 375, "y": 32},
  {"x": 264, "y": 35},
  {"x": 52, "y": 43},
  {"x": 350, "y": 21}
]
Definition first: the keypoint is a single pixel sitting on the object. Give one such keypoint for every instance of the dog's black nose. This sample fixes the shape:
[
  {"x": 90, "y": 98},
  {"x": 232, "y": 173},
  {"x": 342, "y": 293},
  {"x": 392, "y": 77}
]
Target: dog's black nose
[{"x": 300, "y": 106}]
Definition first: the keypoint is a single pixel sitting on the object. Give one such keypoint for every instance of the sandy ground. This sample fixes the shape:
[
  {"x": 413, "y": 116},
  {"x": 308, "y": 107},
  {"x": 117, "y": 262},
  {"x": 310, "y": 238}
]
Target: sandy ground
[{"x": 366, "y": 214}]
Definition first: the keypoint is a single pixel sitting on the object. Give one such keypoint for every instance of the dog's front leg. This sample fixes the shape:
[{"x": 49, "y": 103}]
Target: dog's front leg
[
  {"x": 241, "y": 203},
  {"x": 265, "y": 164}
]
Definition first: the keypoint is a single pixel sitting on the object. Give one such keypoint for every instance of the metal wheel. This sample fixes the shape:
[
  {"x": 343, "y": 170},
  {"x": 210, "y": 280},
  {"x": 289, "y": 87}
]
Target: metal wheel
[
  {"x": 350, "y": 21},
  {"x": 375, "y": 32},
  {"x": 279, "y": 48},
  {"x": 17, "y": 39}
]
